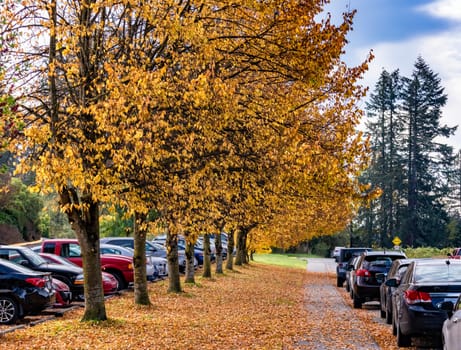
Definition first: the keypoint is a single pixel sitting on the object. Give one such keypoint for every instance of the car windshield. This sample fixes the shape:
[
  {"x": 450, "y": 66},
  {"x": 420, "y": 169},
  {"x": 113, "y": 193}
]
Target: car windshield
[
  {"x": 33, "y": 257},
  {"x": 438, "y": 273}
]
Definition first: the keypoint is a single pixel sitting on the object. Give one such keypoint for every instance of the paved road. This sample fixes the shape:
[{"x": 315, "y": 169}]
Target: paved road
[{"x": 321, "y": 265}]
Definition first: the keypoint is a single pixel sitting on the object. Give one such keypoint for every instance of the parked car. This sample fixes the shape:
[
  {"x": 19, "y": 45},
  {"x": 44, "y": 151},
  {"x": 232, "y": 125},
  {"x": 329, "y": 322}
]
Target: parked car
[
  {"x": 23, "y": 291},
  {"x": 156, "y": 267},
  {"x": 70, "y": 275},
  {"x": 63, "y": 293},
  {"x": 451, "y": 328},
  {"x": 426, "y": 284},
  {"x": 121, "y": 267},
  {"x": 351, "y": 265},
  {"x": 345, "y": 254},
  {"x": 109, "y": 282},
  {"x": 335, "y": 253},
  {"x": 396, "y": 271},
  {"x": 151, "y": 249},
  {"x": 364, "y": 284}
]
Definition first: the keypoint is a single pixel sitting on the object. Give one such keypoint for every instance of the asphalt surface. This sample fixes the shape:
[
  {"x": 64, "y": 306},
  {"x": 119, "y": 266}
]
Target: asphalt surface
[{"x": 334, "y": 326}]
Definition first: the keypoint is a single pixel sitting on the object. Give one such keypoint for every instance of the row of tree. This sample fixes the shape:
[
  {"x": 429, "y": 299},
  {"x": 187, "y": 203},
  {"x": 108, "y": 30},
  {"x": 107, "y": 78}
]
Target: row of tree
[
  {"x": 418, "y": 173},
  {"x": 202, "y": 116}
]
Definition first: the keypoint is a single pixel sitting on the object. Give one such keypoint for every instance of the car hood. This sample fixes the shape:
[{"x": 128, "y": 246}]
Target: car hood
[{"x": 57, "y": 268}]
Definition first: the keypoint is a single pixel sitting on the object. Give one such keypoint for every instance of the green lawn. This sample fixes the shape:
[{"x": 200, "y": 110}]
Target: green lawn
[{"x": 289, "y": 260}]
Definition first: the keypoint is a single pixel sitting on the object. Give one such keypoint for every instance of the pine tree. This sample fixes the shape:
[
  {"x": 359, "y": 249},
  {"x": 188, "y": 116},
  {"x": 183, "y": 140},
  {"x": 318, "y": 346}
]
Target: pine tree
[
  {"x": 423, "y": 98},
  {"x": 385, "y": 126}
]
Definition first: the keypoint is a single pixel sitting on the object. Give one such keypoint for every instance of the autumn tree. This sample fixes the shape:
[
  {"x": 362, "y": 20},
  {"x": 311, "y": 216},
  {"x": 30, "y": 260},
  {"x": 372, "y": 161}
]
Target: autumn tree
[{"x": 168, "y": 106}]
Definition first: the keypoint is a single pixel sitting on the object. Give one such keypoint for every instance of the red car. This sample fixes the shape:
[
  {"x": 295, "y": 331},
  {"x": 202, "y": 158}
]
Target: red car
[
  {"x": 63, "y": 293},
  {"x": 121, "y": 267},
  {"x": 109, "y": 282}
]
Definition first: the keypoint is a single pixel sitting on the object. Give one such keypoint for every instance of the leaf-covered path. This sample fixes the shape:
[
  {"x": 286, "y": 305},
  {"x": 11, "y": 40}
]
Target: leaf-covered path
[{"x": 333, "y": 325}]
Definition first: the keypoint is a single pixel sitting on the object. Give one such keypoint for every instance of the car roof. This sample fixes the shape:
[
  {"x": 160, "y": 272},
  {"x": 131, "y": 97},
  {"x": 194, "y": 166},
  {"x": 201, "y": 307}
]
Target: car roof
[
  {"x": 384, "y": 252},
  {"x": 437, "y": 261}
]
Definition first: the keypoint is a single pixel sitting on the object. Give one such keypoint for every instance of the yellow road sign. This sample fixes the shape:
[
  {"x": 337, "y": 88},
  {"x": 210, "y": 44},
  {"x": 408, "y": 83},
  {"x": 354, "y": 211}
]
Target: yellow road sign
[{"x": 396, "y": 240}]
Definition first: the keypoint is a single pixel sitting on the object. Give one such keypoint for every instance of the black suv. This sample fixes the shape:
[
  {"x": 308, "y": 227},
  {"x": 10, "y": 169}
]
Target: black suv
[
  {"x": 365, "y": 284},
  {"x": 344, "y": 255}
]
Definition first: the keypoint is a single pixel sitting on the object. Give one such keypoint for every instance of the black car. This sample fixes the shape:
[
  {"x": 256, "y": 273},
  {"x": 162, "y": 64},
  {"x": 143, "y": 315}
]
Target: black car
[
  {"x": 364, "y": 284},
  {"x": 23, "y": 292},
  {"x": 396, "y": 271},
  {"x": 344, "y": 255},
  {"x": 425, "y": 286},
  {"x": 72, "y": 276}
]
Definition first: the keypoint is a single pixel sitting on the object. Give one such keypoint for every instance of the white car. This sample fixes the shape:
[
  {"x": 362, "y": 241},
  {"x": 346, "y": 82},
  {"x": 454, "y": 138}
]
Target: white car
[{"x": 451, "y": 329}]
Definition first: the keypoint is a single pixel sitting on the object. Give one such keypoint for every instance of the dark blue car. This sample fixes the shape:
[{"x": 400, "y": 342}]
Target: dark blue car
[
  {"x": 23, "y": 291},
  {"x": 426, "y": 284}
]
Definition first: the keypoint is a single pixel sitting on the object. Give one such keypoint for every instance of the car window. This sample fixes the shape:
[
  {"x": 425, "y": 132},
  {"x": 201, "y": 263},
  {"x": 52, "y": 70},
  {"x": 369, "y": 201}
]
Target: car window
[
  {"x": 438, "y": 273},
  {"x": 74, "y": 250},
  {"x": 401, "y": 271}
]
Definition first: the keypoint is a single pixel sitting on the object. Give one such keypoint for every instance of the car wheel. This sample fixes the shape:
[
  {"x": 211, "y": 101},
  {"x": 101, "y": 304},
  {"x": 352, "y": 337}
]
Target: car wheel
[
  {"x": 120, "y": 280},
  {"x": 339, "y": 282},
  {"x": 357, "y": 302},
  {"x": 403, "y": 341},
  {"x": 348, "y": 288},
  {"x": 382, "y": 313},
  {"x": 394, "y": 327},
  {"x": 388, "y": 316},
  {"x": 9, "y": 310}
]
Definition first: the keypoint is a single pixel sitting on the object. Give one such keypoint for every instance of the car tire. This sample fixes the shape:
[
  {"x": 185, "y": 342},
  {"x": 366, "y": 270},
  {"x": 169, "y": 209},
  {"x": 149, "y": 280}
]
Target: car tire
[
  {"x": 388, "y": 316},
  {"x": 403, "y": 341},
  {"x": 357, "y": 302},
  {"x": 339, "y": 282},
  {"x": 348, "y": 287},
  {"x": 394, "y": 327},
  {"x": 382, "y": 313},
  {"x": 9, "y": 310},
  {"x": 120, "y": 280}
]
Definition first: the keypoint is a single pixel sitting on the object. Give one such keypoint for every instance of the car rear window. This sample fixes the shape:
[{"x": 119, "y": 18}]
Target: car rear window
[
  {"x": 381, "y": 261},
  {"x": 438, "y": 273}
]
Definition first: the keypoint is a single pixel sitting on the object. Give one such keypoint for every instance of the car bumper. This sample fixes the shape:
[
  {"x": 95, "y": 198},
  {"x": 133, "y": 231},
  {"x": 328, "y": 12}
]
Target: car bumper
[
  {"x": 415, "y": 320},
  {"x": 366, "y": 291}
]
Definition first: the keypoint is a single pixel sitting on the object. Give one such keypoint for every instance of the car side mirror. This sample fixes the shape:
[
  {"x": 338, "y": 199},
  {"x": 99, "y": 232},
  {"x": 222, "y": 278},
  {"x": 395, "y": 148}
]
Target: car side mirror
[
  {"x": 24, "y": 263},
  {"x": 392, "y": 282}
]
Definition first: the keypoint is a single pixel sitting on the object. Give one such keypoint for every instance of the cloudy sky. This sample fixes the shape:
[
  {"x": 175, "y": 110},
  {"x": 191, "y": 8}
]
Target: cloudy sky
[{"x": 398, "y": 31}]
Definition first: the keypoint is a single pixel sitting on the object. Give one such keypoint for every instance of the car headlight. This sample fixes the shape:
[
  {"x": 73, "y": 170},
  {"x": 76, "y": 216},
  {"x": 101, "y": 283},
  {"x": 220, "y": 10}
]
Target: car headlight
[{"x": 80, "y": 280}]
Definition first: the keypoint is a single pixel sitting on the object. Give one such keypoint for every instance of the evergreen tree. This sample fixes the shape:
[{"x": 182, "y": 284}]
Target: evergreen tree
[
  {"x": 423, "y": 98},
  {"x": 385, "y": 126}
]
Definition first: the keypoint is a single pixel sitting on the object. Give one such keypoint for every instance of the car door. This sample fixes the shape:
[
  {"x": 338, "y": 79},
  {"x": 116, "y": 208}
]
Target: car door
[{"x": 452, "y": 334}]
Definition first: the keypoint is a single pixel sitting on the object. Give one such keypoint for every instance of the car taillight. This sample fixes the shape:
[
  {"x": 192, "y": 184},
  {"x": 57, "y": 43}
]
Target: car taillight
[
  {"x": 363, "y": 273},
  {"x": 36, "y": 281},
  {"x": 415, "y": 297}
]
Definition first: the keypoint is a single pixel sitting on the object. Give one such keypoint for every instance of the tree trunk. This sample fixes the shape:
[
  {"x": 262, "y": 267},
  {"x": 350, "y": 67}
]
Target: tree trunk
[
  {"x": 85, "y": 222},
  {"x": 206, "y": 256},
  {"x": 230, "y": 250},
  {"x": 173, "y": 263},
  {"x": 219, "y": 258},
  {"x": 190, "y": 269},
  {"x": 141, "y": 295},
  {"x": 241, "y": 256}
]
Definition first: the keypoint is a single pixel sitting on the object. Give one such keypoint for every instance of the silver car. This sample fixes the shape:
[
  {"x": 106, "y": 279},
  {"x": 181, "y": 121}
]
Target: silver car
[
  {"x": 451, "y": 329},
  {"x": 156, "y": 267}
]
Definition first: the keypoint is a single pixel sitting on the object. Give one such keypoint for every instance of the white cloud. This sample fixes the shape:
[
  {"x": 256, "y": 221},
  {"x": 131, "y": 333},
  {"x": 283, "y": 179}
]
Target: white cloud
[{"x": 448, "y": 9}]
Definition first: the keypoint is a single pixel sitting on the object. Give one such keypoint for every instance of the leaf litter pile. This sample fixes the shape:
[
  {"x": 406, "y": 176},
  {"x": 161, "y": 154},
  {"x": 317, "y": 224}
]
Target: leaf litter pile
[{"x": 255, "y": 306}]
